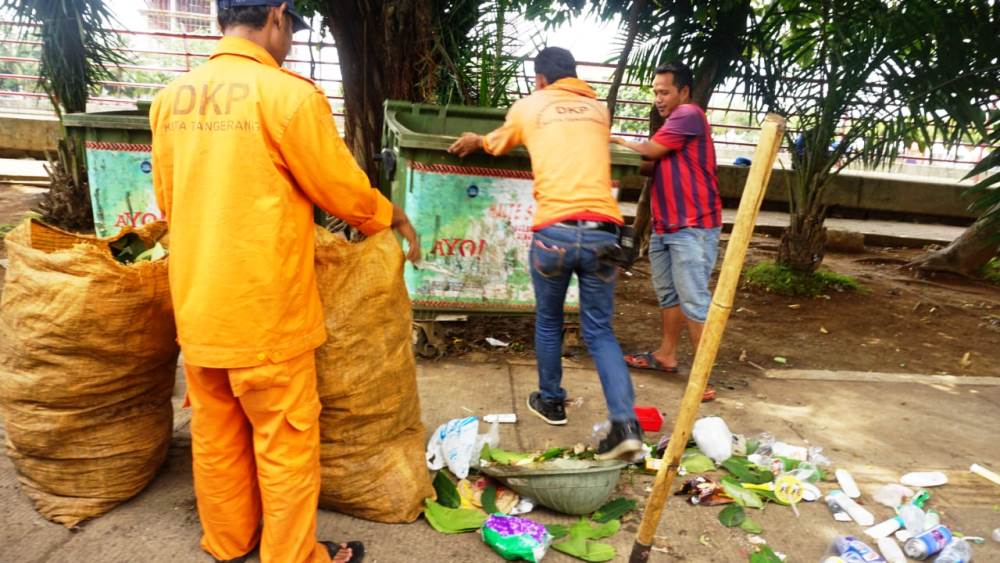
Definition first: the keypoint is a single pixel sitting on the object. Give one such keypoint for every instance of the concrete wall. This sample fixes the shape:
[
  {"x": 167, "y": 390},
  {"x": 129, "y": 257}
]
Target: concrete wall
[
  {"x": 865, "y": 191},
  {"x": 27, "y": 135}
]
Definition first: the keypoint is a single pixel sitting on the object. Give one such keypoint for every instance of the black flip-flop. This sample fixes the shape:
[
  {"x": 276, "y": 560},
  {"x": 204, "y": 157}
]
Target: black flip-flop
[
  {"x": 357, "y": 550},
  {"x": 647, "y": 361}
]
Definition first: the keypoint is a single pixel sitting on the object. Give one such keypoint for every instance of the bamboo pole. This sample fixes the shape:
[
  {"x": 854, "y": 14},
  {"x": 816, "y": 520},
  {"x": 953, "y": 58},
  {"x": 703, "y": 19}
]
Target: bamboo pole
[{"x": 722, "y": 302}]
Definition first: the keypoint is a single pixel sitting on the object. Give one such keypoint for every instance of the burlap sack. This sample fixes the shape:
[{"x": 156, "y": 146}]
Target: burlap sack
[
  {"x": 87, "y": 360},
  {"x": 372, "y": 448}
]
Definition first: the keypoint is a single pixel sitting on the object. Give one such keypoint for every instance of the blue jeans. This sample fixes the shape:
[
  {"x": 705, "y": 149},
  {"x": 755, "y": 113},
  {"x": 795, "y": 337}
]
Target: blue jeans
[
  {"x": 682, "y": 264},
  {"x": 556, "y": 254}
]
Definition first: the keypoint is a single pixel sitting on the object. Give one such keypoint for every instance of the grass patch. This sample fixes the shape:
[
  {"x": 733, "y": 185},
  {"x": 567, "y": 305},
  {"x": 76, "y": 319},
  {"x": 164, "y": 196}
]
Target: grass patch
[
  {"x": 991, "y": 271},
  {"x": 774, "y": 277}
]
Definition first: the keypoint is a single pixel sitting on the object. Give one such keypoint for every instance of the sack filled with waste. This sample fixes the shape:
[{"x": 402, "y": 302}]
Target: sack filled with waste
[
  {"x": 372, "y": 438},
  {"x": 88, "y": 354}
]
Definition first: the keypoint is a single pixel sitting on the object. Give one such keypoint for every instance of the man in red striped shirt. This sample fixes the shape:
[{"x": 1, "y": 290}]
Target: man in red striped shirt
[{"x": 687, "y": 215}]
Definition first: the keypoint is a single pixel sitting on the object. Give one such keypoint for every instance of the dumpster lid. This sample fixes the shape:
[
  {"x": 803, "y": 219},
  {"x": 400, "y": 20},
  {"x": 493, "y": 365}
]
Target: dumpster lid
[
  {"x": 115, "y": 119},
  {"x": 426, "y": 126}
]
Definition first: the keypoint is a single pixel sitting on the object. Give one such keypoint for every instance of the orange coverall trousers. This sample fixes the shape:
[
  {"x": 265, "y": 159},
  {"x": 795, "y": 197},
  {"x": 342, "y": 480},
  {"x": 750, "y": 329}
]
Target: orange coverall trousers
[{"x": 255, "y": 443}]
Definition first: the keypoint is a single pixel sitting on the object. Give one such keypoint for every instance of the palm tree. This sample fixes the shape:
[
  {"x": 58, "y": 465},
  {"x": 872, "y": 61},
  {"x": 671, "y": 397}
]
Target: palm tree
[
  {"x": 980, "y": 243},
  {"x": 863, "y": 78},
  {"x": 77, "y": 51}
]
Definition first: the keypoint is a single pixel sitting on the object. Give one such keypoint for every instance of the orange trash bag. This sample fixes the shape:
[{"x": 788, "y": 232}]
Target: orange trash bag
[
  {"x": 372, "y": 438},
  {"x": 88, "y": 355}
]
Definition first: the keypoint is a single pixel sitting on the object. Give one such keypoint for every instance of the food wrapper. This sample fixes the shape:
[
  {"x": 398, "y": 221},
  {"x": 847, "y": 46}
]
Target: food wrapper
[{"x": 516, "y": 538}]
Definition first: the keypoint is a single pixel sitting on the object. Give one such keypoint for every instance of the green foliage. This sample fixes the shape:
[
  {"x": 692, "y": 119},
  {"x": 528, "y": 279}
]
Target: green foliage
[
  {"x": 784, "y": 280},
  {"x": 732, "y": 515},
  {"x": 453, "y": 520},
  {"x": 749, "y": 526},
  {"x": 764, "y": 554},
  {"x": 987, "y": 191},
  {"x": 991, "y": 271},
  {"x": 580, "y": 544},
  {"x": 693, "y": 461},
  {"x": 747, "y": 472},
  {"x": 447, "y": 492},
  {"x": 77, "y": 52},
  {"x": 613, "y": 510},
  {"x": 743, "y": 497}
]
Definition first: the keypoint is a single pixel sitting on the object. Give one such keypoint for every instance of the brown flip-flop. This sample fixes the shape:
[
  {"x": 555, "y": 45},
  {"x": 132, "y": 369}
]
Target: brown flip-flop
[{"x": 647, "y": 361}]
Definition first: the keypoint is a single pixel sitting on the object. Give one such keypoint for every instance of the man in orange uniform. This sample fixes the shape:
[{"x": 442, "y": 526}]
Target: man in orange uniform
[
  {"x": 242, "y": 149},
  {"x": 567, "y": 133}
]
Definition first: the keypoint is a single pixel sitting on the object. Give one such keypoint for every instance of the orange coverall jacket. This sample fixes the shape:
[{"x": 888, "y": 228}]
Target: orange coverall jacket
[{"x": 241, "y": 150}]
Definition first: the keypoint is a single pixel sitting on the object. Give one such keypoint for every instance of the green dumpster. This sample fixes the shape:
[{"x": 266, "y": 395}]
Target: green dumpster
[
  {"x": 473, "y": 215},
  {"x": 119, "y": 168}
]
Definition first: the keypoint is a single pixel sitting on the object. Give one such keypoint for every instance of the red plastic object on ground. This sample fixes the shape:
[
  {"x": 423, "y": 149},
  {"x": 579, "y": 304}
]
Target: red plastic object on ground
[{"x": 650, "y": 418}]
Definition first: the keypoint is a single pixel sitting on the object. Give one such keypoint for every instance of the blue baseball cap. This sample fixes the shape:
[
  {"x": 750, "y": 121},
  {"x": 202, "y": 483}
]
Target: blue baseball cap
[{"x": 298, "y": 22}]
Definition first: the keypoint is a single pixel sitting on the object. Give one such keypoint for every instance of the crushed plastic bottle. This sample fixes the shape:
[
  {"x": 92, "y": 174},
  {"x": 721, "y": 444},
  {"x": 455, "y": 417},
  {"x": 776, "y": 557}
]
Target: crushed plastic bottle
[
  {"x": 957, "y": 551},
  {"x": 913, "y": 518}
]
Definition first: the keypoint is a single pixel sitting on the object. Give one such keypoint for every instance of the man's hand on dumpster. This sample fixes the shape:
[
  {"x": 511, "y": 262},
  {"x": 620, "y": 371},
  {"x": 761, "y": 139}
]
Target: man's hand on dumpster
[
  {"x": 401, "y": 223},
  {"x": 467, "y": 144}
]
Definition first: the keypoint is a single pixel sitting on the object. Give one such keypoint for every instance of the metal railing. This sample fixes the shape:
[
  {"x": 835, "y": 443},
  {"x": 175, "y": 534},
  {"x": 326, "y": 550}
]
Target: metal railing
[{"x": 195, "y": 48}]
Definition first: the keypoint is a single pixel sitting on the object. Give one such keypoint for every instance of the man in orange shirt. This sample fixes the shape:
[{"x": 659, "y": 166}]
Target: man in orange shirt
[
  {"x": 242, "y": 149},
  {"x": 577, "y": 221}
]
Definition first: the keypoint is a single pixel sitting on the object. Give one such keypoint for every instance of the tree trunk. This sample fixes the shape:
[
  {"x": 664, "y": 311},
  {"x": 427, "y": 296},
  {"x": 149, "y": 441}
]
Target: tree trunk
[
  {"x": 803, "y": 242},
  {"x": 643, "y": 212},
  {"x": 966, "y": 255},
  {"x": 385, "y": 49}
]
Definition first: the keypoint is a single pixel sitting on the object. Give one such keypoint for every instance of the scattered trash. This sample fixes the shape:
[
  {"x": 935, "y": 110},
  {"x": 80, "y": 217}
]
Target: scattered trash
[
  {"x": 516, "y": 538},
  {"x": 453, "y": 444},
  {"x": 857, "y": 512},
  {"x": 892, "y": 495},
  {"x": 823, "y": 330},
  {"x": 985, "y": 473},
  {"x": 851, "y": 549},
  {"x": 847, "y": 483},
  {"x": 958, "y": 550},
  {"x": 996, "y": 535},
  {"x": 650, "y": 418},
  {"x": 523, "y": 506},
  {"x": 713, "y": 438},
  {"x": 580, "y": 540},
  {"x": 839, "y": 514},
  {"x": 928, "y": 543},
  {"x": 743, "y": 355},
  {"x": 704, "y": 491},
  {"x": 890, "y": 550},
  {"x": 924, "y": 479},
  {"x": 496, "y": 343},
  {"x": 781, "y": 359},
  {"x": 966, "y": 360},
  {"x": 795, "y": 306},
  {"x": 884, "y": 529},
  {"x": 505, "y": 418},
  {"x": 453, "y": 520}
]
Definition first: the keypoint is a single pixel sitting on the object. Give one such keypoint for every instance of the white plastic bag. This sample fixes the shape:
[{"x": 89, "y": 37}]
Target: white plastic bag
[
  {"x": 453, "y": 444},
  {"x": 713, "y": 438}
]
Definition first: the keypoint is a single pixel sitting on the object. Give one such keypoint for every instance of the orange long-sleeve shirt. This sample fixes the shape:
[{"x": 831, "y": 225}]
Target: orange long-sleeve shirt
[
  {"x": 567, "y": 133},
  {"x": 241, "y": 150}
]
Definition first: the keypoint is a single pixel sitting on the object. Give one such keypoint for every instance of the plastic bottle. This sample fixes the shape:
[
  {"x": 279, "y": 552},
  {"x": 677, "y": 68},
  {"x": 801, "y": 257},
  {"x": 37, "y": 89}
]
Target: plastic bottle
[
  {"x": 928, "y": 543},
  {"x": 996, "y": 534},
  {"x": 933, "y": 518},
  {"x": 891, "y": 551},
  {"x": 838, "y": 513},
  {"x": 853, "y": 550},
  {"x": 913, "y": 518},
  {"x": 884, "y": 529},
  {"x": 857, "y": 512},
  {"x": 957, "y": 551}
]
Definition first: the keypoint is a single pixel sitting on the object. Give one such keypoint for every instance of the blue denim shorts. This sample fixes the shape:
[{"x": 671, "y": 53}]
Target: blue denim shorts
[{"x": 682, "y": 264}]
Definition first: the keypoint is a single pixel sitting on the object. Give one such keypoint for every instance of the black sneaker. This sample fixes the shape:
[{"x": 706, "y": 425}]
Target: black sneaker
[
  {"x": 357, "y": 550},
  {"x": 624, "y": 441},
  {"x": 240, "y": 559},
  {"x": 552, "y": 412}
]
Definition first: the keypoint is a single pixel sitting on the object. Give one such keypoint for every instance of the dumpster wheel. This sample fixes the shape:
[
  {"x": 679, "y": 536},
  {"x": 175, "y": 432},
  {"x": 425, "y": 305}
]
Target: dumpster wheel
[{"x": 428, "y": 340}]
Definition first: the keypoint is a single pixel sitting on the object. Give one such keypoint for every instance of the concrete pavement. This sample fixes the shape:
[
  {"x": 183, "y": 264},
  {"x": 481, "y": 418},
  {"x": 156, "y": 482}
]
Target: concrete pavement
[{"x": 875, "y": 427}]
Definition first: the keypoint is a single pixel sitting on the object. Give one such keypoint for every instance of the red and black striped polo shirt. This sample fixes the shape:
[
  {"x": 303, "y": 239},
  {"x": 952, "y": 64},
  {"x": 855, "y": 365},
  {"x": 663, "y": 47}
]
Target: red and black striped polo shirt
[{"x": 685, "y": 187}]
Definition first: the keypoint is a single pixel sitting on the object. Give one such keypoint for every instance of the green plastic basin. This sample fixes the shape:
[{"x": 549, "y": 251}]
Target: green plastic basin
[{"x": 571, "y": 488}]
